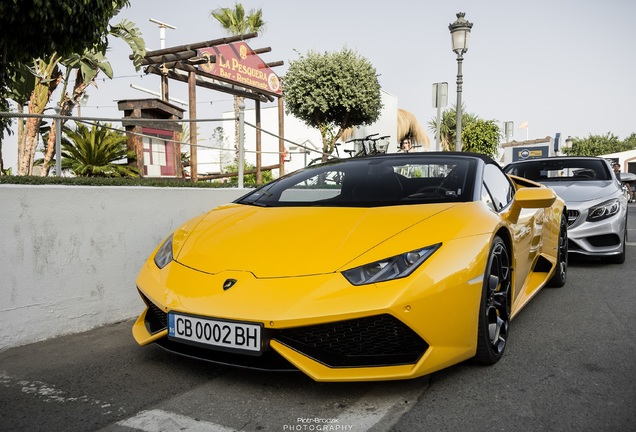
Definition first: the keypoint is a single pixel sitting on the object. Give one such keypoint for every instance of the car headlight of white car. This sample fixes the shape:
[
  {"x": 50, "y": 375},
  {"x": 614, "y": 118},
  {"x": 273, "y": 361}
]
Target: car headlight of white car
[{"x": 604, "y": 210}]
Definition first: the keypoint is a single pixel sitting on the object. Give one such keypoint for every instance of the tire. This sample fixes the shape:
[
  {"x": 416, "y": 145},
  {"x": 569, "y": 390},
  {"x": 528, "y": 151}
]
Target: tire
[
  {"x": 494, "y": 309},
  {"x": 561, "y": 272}
]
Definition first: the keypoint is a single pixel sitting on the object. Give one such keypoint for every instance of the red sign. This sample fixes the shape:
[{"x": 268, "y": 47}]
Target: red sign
[{"x": 236, "y": 63}]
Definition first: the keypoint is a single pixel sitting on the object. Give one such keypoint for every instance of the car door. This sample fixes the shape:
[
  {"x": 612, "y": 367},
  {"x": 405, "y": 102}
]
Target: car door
[{"x": 526, "y": 232}]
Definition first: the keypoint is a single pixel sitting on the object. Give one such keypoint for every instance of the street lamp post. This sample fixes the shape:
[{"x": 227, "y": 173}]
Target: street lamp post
[{"x": 460, "y": 33}]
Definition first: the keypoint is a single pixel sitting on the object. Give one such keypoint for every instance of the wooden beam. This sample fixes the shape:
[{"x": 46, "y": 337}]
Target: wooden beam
[
  {"x": 197, "y": 45},
  {"x": 274, "y": 64},
  {"x": 235, "y": 173},
  {"x": 262, "y": 50},
  {"x": 281, "y": 136},
  {"x": 184, "y": 55},
  {"x": 259, "y": 176},
  {"x": 192, "y": 102}
]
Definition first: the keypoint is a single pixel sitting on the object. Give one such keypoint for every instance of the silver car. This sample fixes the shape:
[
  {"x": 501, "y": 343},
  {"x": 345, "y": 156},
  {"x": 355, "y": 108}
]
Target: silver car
[{"x": 596, "y": 205}]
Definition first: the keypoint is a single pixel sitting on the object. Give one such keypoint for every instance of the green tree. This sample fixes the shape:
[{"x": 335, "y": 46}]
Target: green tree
[
  {"x": 85, "y": 67},
  {"x": 332, "y": 92},
  {"x": 99, "y": 151},
  {"x": 235, "y": 22},
  {"x": 448, "y": 126},
  {"x": 221, "y": 142},
  {"x": 48, "y": 74},
  {"x": 630, "y": 141},
  {"x": 481, "y": 136},
  {"x": 595, "y": 145},
  {"x": 40, "y": 28}
]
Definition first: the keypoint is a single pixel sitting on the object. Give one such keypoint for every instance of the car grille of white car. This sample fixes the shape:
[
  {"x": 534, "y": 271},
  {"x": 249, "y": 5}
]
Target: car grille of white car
[{"x": 573, "y": 215}]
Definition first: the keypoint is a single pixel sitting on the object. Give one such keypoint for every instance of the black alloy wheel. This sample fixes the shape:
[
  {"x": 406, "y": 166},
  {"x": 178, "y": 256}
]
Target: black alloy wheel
[
  {"x": 561, "y": 271},
  {"x": 494, "y": 311}
]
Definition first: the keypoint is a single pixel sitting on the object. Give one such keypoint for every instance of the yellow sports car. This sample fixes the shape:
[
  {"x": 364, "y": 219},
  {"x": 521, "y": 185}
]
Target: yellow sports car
[{"x": 374, "y": 268}]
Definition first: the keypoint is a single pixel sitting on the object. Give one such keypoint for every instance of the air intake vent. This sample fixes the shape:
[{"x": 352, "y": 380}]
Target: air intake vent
[{"x": 379, "y": 340}]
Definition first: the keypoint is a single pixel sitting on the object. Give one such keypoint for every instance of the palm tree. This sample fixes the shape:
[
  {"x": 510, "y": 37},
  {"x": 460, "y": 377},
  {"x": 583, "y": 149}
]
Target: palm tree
[
  {"x": 448, "y": 126},
  {"x": 85, "y": 67},
  {"x": 236, "y": 23},
  {"x": 33, "y": 85},
  {"x": 100, "y": 151}
]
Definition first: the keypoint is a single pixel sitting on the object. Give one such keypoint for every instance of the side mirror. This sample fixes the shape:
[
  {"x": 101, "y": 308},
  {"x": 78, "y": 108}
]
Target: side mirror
[
  {"x": 540, "y": 197},
  {"x": 627, "y": 177}
]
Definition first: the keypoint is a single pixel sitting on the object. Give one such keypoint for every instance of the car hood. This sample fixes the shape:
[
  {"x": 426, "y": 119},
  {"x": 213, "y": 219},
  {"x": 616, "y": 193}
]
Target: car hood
[
  {"x": 292, "y": 241},
  {"x": 581, "y": 191}
]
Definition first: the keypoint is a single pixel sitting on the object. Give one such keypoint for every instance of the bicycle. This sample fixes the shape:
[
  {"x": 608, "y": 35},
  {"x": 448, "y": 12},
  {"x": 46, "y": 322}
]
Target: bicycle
[
  {"x": 330, "y": 157},
  {"x": 369, "y": 145}
]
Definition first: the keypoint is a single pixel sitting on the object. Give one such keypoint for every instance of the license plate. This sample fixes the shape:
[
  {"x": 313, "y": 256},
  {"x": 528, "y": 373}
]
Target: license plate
[{"x": 226, "y": 335}]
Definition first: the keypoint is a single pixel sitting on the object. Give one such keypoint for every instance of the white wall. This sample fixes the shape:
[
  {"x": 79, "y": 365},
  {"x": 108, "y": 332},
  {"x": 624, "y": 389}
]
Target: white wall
[
  {"x": 626, "y": 159},
  {"x": 70, "y": 254}
]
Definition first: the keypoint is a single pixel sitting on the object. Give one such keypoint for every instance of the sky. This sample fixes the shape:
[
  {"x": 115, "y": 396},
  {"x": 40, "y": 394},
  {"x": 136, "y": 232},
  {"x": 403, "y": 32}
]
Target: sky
[{"x": 559, "y": 65}]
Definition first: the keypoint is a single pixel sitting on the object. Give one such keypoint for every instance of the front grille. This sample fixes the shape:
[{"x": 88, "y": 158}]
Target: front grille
[
  {"x": 573, "y": 215},
  {"x": 156, "y": 319},
  {"x": 379, "y": 340},
  {"x": 372, "y": 341}
]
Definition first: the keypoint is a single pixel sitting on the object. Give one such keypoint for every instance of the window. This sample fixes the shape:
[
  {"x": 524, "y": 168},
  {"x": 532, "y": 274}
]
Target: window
[
  {"x": 372, "y": 182},
  {"x": 562, "y": 169},
  {"x": 499, "y": 190},
  {"x": 485, "y": 197},
  {"x": 158, "y": 157}
]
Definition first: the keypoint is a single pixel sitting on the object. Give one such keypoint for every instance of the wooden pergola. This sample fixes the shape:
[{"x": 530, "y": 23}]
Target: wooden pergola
[{"x": 184, "y": 63}]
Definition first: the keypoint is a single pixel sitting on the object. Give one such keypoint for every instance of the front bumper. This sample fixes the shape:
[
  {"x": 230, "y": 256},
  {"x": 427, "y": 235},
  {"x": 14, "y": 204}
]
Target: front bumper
[
  {"x": 595, "y": 239},
  {"x": 380, "y": 340},
  {"x": 324, "y": 326}
]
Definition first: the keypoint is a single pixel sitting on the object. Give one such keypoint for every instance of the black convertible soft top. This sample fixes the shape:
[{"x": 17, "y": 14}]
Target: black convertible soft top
[{"x": 378, "y": 180}]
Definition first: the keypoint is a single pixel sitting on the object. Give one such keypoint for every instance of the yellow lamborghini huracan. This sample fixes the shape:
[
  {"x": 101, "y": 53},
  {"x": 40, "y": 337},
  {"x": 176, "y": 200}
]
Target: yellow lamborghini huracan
[{"x": 374, "y": 268}]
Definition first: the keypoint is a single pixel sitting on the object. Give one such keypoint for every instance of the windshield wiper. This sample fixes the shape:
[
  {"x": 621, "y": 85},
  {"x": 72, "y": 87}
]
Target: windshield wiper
[{"x": 254, "y": 203}]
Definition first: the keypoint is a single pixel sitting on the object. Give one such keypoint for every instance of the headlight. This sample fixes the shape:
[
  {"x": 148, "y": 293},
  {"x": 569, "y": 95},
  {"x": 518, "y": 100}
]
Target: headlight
[
  {"x": 604, "y": 210},
  {"x": 395, "y": 267},
  {"x": 164, "y": 254}
]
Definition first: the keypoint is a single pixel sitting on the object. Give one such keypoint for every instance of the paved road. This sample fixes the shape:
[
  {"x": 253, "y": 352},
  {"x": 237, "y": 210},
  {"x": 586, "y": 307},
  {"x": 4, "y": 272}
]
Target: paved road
[{"x": 570, "y": 366}]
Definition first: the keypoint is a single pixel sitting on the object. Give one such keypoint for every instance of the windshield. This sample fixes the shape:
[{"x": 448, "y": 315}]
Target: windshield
[
  {"x": 373, "y": 181},
  {"x": 567, "y": 169}
]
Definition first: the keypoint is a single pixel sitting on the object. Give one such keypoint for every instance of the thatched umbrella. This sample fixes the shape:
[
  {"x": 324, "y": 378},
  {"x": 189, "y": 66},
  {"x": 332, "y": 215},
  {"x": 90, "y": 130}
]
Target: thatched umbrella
[{"x": 407, "y": 126}]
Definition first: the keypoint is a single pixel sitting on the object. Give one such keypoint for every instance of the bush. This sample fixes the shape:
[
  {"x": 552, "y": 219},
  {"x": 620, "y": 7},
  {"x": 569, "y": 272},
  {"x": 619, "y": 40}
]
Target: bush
[{"x": 101, "y": 181}]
